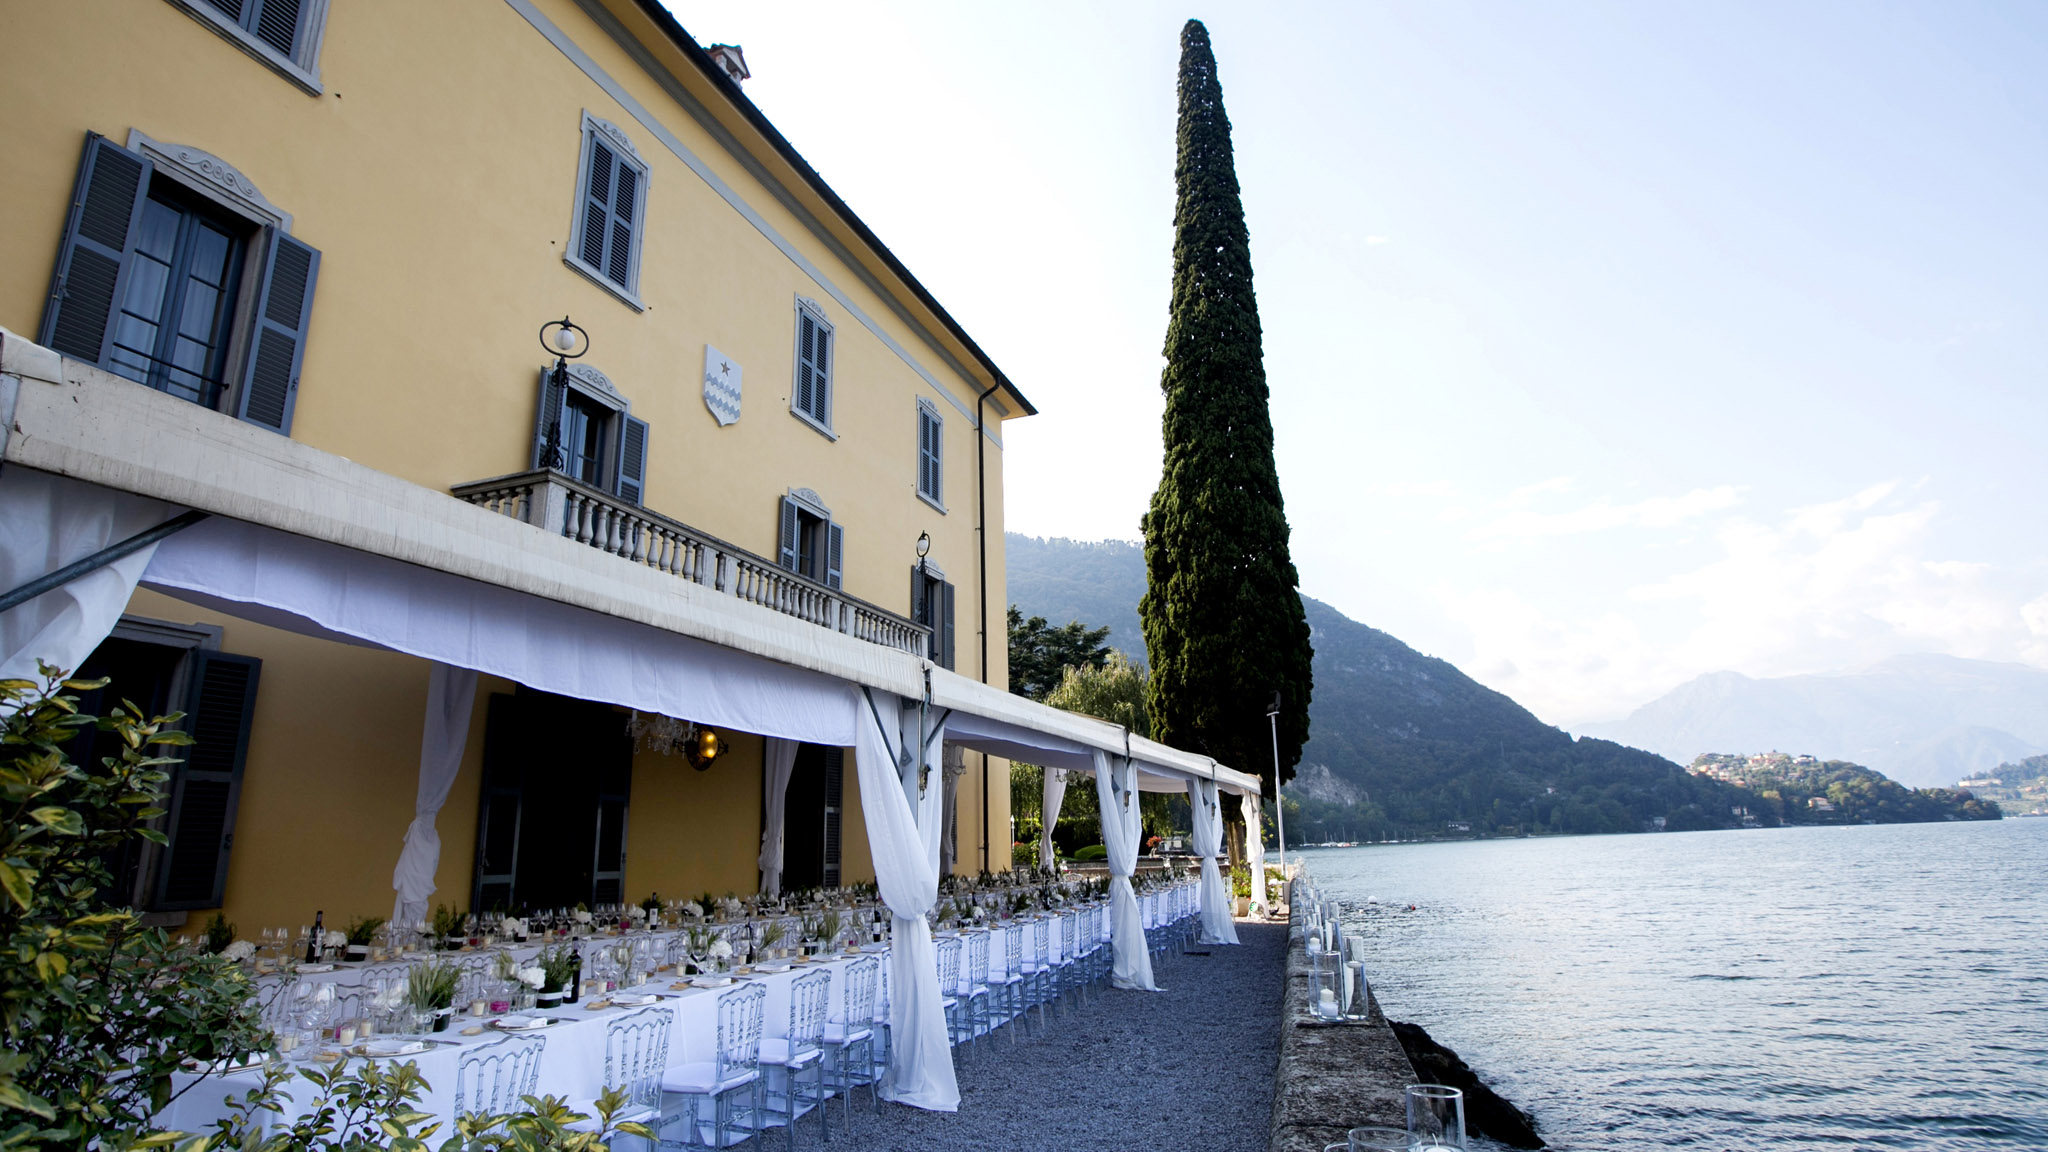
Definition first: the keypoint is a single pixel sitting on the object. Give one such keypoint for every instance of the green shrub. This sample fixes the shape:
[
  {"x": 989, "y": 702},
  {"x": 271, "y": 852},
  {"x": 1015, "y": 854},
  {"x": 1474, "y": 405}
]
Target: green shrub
[
  {"x": 97, "y": 1010},
  {"x": 1092, "y": 852}
]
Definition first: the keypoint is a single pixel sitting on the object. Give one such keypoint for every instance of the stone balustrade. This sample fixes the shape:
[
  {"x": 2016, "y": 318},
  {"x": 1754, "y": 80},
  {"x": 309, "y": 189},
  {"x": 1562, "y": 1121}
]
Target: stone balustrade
[{"x": 554, "y": 502}]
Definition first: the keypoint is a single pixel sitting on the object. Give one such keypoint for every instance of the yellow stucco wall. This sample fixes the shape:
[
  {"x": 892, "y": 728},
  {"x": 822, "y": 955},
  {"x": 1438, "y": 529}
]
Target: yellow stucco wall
[{"x": 437, "y": 174}]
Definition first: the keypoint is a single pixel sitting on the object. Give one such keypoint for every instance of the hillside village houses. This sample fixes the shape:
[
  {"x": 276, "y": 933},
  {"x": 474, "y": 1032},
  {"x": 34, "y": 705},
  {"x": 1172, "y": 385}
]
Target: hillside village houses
[{"x": 518, "y": 416}]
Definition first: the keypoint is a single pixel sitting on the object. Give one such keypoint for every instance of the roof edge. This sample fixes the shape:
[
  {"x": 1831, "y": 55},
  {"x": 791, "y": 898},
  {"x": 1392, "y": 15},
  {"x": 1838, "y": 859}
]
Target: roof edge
[{"x": 685, "y": 43}]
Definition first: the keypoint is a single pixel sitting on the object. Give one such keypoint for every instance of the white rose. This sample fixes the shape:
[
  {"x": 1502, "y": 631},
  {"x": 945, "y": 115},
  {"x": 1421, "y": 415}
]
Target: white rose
[
  {"x": 533, "y": 978},
  {"x": 582, "y": 917},
  {"x": 693, "y": 909},
  {"x": 513, "y": 926},
  {"x": 636, "y": 913},
  {"x": 334, "y": 939},
  {"x": 239, "y": 951},
  {"x": 720, "y": 950}
]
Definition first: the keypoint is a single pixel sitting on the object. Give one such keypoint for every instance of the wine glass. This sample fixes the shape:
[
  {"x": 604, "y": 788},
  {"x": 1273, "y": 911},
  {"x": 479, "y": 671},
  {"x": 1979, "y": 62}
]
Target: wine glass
[{"x": 1436, "y": 1118}]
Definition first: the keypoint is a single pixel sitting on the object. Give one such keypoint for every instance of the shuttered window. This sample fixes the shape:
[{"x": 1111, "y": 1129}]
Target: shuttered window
[
  {"x": 585, "y": 430},
  {"x": 147, "y": 284},
  {"x": 611, "y": 200},
  {"x": 930, "y": 453},
  {"x": 282, "y": 34},
  {"x": 811, "y": 395},
  {"x": 809, "y": 543},
  {"x": 206, "y": 787},
  {"x": 931, "y": 604}
]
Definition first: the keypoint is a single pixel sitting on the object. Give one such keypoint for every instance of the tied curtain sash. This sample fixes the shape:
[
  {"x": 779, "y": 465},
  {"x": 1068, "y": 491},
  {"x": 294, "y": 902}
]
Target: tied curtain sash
[
  {"x": 1217, "y": 925},
  {"x": 1116, "y": 790},
  {"x": 903, "y": 835}
]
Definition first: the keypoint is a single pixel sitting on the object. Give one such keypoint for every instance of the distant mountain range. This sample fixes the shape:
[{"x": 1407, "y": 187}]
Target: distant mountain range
[
  {"x": 1925, "y": 721},
  {"x": 1399, "y": 743}
]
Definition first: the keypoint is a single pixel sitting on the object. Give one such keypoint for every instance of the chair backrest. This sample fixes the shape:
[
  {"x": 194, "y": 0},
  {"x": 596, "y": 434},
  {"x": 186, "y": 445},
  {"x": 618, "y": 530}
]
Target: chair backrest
[
  {"x": 676, "y": 951},
  {"x": 949, "y": 965},
  {"x": 1041, "y": 940},
  {"x": 739, "y": 1028},
  {"x": 636, "y": 1054},
  {"x": 861, "y": 977},
  {"x": 977, "y": 960},
  {"x": 492, "y": 1077},
  {"x": 1070, "y": 927},
  {"x": 1013, "y": 948},
  {"x": 809, "y": 996}
]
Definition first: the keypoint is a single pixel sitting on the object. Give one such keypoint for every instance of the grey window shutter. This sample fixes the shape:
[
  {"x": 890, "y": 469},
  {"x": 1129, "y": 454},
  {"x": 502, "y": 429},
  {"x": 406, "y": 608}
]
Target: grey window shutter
[
  {"x": 943, "y": 633},
  {"x": 284, "y": 310},
  {"x": 787, "y": 555},
  {"x": 547, "y": 420},
  {"x": 99, "y": 240},
  {"x": 207, "y": 787},
  {"x": 917, "y": 585},
  {"x": 833, "y": 537},
  {"x": 821, "y": 372},
  {"x": 611, "y": 199},
  {"x": 806, "y": 359},
  {"x": 632, "y": 459},
  {"x": 277, "y": 24}
]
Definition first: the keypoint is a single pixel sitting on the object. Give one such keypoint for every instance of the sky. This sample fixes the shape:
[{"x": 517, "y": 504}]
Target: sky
[{"x": 1610, "y": 344}]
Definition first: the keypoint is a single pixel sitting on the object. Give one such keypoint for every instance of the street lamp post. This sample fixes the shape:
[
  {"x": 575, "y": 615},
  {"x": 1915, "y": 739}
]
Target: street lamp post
[{"x": 1279, "y": 809}]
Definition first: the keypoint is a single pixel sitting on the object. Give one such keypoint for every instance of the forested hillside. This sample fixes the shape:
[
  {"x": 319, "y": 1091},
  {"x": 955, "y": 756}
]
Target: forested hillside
[
  {"x": 1424, "y": 748},
  {"x": 1805, "y": 790}
]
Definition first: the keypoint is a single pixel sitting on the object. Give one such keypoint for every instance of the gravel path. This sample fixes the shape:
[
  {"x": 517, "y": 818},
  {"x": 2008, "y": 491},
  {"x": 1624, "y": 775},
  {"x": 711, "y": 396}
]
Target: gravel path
[{"x": 1186, "y": 1070}]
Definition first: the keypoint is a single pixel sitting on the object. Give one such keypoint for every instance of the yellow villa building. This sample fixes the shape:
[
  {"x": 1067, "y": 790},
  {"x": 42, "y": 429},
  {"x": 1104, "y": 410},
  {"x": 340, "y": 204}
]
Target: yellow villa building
[{"x": 468, "y": 413}]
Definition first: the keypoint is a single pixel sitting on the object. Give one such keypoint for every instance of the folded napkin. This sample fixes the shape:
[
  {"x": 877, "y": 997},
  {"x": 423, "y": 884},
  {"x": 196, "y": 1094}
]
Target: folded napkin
[
  {"x": 393, "y": 1047},
  {"x": 634, "y": 999},
  {"x": 522, "y": 1023}
]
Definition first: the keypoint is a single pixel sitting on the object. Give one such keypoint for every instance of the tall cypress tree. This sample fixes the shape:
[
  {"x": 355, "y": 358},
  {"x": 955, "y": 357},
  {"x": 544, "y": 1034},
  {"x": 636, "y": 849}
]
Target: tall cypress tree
[{"x": 1223, "y": 621}]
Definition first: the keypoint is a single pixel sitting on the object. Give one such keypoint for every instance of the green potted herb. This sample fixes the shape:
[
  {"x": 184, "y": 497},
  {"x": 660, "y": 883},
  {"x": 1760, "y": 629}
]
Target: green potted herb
[
  {"x": 772, "y": 934},
  {"x": 448, "y": 926},
  {"x": 360, "y": 932},
  {"x": 430, "y": 988},
  {"x": 558, "y": 967},
  {"x": 219, "y": 934}
]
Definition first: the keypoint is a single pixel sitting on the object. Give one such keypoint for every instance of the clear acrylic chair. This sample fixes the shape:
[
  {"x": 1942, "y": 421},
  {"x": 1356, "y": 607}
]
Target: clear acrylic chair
[
  {"x": 1038, "y": 975},
  {"x": 1008, "y": 988},
  {"x": 957, "y": 1029},
  {"x": 800, "y": 1056},
  {"x": 490, "y": 1078},
  {"x": 971, "y": 989},
  {"x": 733, "y": 1070},
  {"x": 850, "y": 1040},
  {"x": 636, "y": 1057}
]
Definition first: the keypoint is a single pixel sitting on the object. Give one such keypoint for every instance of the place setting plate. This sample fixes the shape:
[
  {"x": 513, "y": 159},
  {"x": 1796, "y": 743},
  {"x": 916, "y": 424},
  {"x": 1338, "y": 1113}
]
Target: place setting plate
[{"x": 522, "y": 1023}]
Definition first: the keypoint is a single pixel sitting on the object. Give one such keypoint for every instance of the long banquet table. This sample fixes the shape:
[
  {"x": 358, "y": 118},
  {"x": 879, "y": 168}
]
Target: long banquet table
[{"x": 573, "y": 1060}]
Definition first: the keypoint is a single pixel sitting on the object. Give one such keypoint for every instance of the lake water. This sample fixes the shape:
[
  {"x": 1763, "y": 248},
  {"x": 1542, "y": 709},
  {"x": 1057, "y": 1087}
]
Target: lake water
[{"x": 1865, "y": 987}]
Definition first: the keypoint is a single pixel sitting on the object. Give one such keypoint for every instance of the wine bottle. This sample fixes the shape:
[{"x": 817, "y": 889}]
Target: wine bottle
[{"x": 313, "y": 942}]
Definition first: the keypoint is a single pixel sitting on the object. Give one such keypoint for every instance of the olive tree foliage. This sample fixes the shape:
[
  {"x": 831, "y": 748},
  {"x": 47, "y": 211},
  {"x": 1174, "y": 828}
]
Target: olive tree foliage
[
  {"x": 97, "y": 1010},
  {"x": 1223, "y": 621},
  {"x": 1114, "y": 691}
]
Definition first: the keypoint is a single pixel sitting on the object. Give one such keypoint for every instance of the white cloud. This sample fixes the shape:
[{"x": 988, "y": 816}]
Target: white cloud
[
  {"x": 1822, "y": 586},
  {"x": 1601, "y": 515}
]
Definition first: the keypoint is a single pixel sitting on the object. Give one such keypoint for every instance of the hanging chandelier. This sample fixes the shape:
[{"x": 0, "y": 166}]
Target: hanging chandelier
[{"x": 668, "y": 736}]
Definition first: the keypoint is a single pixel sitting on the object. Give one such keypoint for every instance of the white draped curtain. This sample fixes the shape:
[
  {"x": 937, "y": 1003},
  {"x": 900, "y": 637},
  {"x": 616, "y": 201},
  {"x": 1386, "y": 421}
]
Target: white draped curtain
[
  {"x": 1255, "y": 850},
  {"x": 778, "y": 760},
  {"x": 451, "y": 696},
  {"x": 47, "y": 522},
  {"x": 1055, "y": 794},
  {"x": 900, "y": 798},
  {"x": 1217, "y": 925},
  {"x": 1116, "y": 790}
]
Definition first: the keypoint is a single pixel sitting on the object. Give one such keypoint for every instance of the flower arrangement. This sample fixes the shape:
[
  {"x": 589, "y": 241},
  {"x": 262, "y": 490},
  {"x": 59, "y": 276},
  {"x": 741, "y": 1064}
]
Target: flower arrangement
[
  {"x": 773, "y": 933},
  {"x": 362, "y": 930},
  {"x": 693, "y": 910},
  {"x": 514, "y": 927},
  {"x": 721, "y": 949},
  {"x": 240, "y": 951}
]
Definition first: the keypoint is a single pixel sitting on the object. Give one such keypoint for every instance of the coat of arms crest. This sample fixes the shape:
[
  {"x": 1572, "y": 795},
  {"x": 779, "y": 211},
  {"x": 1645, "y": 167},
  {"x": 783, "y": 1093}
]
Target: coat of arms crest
[{"x": 721, "y": 386}]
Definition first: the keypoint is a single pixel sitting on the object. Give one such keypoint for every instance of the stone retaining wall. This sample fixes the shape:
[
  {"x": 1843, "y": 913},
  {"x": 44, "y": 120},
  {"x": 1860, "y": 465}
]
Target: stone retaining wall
[{"x": 1332, "y": 1077}]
